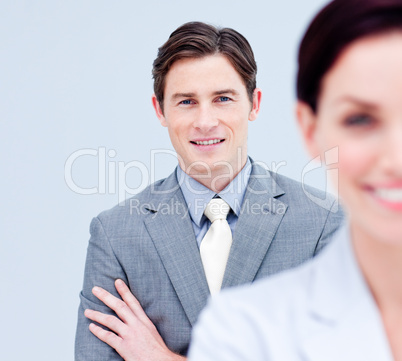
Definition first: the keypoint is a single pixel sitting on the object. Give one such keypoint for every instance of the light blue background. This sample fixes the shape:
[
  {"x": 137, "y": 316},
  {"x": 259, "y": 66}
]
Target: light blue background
[{"x": 77, "y": 75}]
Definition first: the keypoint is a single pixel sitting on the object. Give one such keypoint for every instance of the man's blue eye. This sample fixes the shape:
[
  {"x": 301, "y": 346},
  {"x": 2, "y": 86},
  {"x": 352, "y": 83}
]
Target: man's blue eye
[
  {"x": 223, "y": 99},
  {"x": 187, "y": 102}
]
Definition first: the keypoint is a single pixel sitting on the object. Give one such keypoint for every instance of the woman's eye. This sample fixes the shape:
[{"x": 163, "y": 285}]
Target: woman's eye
[{"x": 359, "y": 120}]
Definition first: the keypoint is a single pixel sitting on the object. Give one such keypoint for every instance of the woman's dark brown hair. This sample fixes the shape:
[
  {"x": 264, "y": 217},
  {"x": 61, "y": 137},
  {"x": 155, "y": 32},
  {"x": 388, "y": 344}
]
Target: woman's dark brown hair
[
  {"x": 336, "y": 26},
  {"x": 196, "y": 40}
]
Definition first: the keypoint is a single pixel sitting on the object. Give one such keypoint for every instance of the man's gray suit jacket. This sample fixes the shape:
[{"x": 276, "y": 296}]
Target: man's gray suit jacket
[{"x": 150, "y": 244}]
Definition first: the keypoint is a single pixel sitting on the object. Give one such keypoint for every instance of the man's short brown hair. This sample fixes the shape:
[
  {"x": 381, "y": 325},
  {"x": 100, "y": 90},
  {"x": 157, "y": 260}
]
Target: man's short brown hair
[{"x": 196, "y": 40}]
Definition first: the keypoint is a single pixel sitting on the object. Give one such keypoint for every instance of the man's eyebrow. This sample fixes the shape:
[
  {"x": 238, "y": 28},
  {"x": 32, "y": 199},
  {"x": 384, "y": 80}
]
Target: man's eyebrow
[
  {"x": 176, "y": 96},
  {"x": 226, "y": 91}
]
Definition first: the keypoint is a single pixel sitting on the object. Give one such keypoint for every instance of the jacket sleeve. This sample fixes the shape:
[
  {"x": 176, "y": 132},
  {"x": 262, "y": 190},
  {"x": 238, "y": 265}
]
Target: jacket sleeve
[{"x": 102, "y": 268}]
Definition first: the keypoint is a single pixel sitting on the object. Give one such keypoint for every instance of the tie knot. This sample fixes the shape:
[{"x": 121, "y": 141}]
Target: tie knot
[{"x": 217, "y": 208}]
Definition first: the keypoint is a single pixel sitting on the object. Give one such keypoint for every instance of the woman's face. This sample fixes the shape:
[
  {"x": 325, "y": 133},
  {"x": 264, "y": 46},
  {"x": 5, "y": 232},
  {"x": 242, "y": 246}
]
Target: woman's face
[{"x": 360, "y": 113}]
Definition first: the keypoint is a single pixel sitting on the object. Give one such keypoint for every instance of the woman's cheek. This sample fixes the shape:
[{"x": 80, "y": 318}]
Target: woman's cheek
[{"x": 356, "y": 164}]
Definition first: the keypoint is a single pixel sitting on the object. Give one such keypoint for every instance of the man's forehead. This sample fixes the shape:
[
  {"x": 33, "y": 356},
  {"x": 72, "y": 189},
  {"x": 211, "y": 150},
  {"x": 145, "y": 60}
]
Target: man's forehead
[
  {"x": 191, "y": 67},
  {"x": 210, "y": 75}
]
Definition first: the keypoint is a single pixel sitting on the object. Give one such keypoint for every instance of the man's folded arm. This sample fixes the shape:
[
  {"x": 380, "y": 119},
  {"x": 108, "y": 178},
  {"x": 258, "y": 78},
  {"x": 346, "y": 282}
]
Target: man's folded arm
[{"x": 101, "y": 269}]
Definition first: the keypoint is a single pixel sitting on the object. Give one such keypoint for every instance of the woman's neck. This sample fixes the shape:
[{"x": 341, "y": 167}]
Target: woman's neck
[{"x": 381, "y": 265}]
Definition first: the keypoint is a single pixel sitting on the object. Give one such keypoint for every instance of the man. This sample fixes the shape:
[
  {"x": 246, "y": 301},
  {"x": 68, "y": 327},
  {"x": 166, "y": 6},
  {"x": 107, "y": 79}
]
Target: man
[{"x": 160, "y": 243}]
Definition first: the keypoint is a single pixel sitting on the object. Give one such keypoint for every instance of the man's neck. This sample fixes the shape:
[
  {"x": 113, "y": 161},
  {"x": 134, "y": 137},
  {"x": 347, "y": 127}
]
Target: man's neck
[{"x": 217, "y": 180}]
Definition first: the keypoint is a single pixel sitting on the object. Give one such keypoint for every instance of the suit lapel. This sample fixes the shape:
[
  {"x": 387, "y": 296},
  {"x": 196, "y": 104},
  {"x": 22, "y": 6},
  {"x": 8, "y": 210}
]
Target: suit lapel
[
  {"x": 170, "y": 228},
  {"x": 343, "y": 317},
  {"x": 258, "y": 222},
  {"x": 171, "y": 231}
]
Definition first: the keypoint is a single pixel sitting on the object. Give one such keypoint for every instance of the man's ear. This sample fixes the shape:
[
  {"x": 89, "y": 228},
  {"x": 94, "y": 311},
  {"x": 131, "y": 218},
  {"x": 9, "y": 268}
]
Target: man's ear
[
  {"x": 257, "y": 94},
  {"x": 158, "y": 111},
  {"x": 308, "y": 125}
]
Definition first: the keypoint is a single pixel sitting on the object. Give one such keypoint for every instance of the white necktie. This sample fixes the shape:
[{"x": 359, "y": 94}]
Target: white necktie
[{"x": 215, "y": 246}]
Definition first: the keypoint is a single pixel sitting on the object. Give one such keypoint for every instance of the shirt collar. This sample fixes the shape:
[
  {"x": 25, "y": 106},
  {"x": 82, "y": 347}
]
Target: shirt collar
[{"x": 197, "y": 196}]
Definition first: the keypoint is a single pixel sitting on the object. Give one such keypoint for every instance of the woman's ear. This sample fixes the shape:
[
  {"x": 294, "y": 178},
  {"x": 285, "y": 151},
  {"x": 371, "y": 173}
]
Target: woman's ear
[
  {"x": 307, "y": 121},
  {"x": 158, "y": 111}
]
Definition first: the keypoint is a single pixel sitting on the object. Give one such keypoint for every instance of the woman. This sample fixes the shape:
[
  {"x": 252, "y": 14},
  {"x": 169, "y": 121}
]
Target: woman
[{"x": 346, "y": 304}]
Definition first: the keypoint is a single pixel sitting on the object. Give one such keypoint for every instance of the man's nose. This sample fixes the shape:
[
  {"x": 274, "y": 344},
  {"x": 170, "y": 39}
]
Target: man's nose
[{"x": 206, "y": 119}]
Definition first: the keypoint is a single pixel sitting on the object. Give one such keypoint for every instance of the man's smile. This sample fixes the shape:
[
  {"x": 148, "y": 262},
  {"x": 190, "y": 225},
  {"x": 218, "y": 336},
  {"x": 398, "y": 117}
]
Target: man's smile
[{"x": 207, "y": 141}]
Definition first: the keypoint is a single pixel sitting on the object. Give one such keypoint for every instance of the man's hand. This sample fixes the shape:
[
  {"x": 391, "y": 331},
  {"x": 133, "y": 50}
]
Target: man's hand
[{"x": 134, "y": 336}]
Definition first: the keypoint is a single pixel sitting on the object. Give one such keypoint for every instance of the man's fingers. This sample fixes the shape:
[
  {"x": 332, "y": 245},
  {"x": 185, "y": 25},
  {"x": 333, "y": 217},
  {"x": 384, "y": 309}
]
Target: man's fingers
[
  {"x": 106, "y": 336},
  {"x": 131, "y": 301},
  {"x": 125, "y": 293},
  {"x": 131, "y": 332},
  {"x": 111, "y": 322},
  {"x": 117, "y": 305}
]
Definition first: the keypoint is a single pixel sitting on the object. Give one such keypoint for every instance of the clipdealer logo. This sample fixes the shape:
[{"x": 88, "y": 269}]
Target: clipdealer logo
[{"x": 112, "y": 174}]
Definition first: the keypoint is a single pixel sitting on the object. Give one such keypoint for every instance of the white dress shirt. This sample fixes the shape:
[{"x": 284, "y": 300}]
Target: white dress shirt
[{"x": 320, "y": 311}]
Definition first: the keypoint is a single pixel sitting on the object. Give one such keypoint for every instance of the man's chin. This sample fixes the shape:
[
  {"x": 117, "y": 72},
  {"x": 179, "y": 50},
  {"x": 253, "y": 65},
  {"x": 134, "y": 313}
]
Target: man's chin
[{"x": 210, "y": 169}]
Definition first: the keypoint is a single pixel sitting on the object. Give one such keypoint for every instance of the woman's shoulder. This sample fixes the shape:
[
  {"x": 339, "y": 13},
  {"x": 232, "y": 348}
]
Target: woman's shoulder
[
  {"x": 262, "y": 318},
  {"x": 269, "y": 317},
  {"x": 285, "y": 299}
]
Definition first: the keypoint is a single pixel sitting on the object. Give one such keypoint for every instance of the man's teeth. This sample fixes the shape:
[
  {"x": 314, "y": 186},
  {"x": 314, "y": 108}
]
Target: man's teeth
[
  {"x": 391, "y": 195},
  {"x": 208, "y": 142}
]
